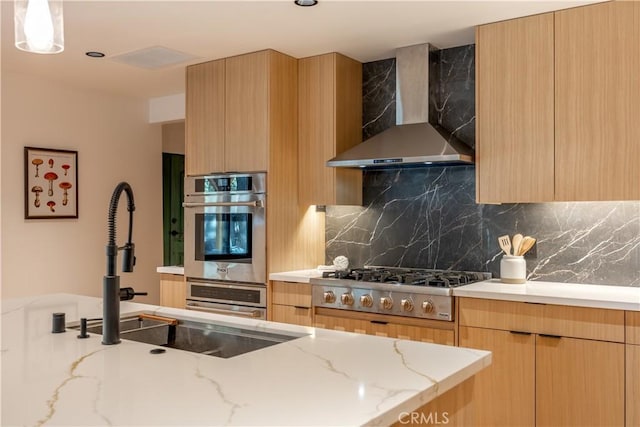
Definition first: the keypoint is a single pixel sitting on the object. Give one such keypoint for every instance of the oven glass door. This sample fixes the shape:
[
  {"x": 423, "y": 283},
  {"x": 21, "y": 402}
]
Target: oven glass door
[{"x": 223, "y": 236}]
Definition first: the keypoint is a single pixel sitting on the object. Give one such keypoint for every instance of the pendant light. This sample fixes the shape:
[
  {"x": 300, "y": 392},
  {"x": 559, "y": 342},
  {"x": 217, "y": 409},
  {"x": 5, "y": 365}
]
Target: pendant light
[{"x": 39, "y": 26}]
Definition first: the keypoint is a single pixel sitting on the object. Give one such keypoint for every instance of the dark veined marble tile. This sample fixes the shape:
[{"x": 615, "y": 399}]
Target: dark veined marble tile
[
  {"x": 378, "y": 97},
  {"x": 578, "y": 242},
  {"x": 453, "y": 103},
  {"x": 427, "y": 217}
]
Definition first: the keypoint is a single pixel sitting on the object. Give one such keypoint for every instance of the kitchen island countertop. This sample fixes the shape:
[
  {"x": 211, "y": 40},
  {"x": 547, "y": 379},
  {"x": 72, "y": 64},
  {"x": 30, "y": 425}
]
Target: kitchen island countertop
[{"x": 324, "y": 378}]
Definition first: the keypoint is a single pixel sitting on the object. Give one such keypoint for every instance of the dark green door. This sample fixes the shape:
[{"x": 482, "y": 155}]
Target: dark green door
[{"x": 172, "y": 197}]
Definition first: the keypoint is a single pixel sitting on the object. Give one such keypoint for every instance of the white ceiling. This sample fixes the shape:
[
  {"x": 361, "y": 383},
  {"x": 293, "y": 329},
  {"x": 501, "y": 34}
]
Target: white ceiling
[{"x": 364, "y": 30}]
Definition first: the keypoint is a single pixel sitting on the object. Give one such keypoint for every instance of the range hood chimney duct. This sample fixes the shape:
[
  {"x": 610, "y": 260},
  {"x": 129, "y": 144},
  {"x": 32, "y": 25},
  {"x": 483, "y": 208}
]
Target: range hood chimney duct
[{"x": 413, "y": 140}]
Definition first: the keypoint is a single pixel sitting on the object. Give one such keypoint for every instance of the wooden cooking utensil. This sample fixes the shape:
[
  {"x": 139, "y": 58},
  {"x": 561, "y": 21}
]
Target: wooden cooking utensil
[
  {"x": 516, "y": 242},
  {"x": 505, "y": 243},
  {"x": 527, "y": 243}
]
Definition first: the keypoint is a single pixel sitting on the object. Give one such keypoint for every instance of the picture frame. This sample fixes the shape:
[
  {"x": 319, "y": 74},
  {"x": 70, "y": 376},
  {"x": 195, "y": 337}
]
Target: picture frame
[{"x": 50, "y": 183}]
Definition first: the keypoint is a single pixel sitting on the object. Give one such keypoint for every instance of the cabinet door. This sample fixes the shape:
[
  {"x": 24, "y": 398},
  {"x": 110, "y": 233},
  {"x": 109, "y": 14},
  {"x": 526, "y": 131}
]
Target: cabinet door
[
  {"x": 597, "y": 104},
  {"x": 514, "y": 110},
  {"x": 173, "y": 291},
  {"x": 330, "y": 122},
  {"x": 424, "y": 334},
  {"x": 504, "y": 392},
  {"x": 289, "y": 293},
  {"x": 246, "y": 101},
  {"x": 292, "y": 314},
  {"x": 342, "y": 324},
  {"x": 633, "y": 385},
  {"x": 579, "y": 382},
  {"x": 205, "y": 118}
]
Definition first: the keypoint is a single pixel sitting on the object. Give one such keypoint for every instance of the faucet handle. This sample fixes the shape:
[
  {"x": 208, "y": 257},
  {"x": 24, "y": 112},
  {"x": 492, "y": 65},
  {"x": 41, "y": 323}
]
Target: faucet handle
[
  {"x": 128, "y": 293},
  {"x": 128, "y": 257}
]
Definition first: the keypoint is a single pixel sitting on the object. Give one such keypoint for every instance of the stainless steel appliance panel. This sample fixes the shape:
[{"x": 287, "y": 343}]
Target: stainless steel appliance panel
[
  {"x": 225, "y": 228},
  {"x": 229, "y": 310},
  {"x": 236, "y": 299}
]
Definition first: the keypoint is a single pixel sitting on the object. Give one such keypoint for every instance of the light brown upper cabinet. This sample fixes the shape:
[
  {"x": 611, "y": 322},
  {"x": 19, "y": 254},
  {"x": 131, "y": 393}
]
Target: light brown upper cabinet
[
  {"x": 204, "y": 119},
  {"x": 514, "y": 110},
  {"x": 330, "y": 121},
  {"x": 239, "y": 111},
  {"x": 597, "y": 126},
  {"x": 557, "y": 106}
]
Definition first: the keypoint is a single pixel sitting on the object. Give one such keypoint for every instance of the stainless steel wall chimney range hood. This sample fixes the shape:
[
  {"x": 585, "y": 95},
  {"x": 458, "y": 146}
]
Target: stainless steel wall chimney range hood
[{"x": 413, "y": 140}]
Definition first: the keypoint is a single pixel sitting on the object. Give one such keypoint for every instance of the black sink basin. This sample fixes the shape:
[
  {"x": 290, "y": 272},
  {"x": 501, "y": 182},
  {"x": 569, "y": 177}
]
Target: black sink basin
[{"x": 198, "y": 337}]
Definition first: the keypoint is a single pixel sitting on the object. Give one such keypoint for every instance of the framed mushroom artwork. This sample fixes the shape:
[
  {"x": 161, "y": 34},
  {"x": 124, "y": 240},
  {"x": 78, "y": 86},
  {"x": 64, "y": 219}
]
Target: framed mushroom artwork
[{"x": 50, "y": 183}]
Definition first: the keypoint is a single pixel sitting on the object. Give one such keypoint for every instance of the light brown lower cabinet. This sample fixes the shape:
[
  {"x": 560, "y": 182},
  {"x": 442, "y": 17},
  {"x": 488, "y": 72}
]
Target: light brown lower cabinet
[
  {"x": 552, "y": 365},
  {"x": 435, "y": 331},
  {"x": 291, "y": 303},
  {"x": 633, "y": 385},
  {"x": 173, "y": 291},
  {"x": 579, "y": 382},
  {"x": 504, "y": 393},
  {"x": 292, "y": 314}
]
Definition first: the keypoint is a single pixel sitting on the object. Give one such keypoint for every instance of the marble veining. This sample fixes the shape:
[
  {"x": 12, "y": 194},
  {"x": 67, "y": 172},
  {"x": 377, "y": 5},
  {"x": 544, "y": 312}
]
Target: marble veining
[
  {"x": 218, "y": 388},
  {"x": 427, "y": 217},
  {"x": 452, "y": 94},
  {"x": 378, "y": 97},
  {"x": 51, "y": 403},
  {"x": 57, "y": 379}
]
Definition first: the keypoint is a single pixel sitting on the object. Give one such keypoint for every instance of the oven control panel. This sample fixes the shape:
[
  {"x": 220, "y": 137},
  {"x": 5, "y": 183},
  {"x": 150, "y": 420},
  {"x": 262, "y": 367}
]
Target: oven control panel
[{"x": 437, "y": 307}]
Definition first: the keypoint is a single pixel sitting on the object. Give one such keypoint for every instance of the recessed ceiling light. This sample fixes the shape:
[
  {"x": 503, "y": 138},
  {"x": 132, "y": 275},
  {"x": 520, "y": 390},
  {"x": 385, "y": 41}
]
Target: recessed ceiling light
[
  {"x": 95, "y": 54},
  {"x": 306, "y": 3}
]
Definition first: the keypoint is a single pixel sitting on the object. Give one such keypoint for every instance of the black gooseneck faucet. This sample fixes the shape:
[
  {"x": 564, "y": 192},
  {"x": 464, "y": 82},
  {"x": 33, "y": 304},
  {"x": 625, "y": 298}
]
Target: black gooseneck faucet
[{"x": 111, "y": 282}]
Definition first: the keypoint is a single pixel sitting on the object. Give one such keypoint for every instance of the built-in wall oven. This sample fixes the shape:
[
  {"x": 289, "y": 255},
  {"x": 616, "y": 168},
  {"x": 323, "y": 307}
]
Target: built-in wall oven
[{"x": 225, "y": 250}]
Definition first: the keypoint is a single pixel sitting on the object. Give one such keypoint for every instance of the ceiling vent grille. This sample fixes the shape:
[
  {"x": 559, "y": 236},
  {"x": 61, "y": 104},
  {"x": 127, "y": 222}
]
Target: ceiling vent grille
[{"x": 153, "y": 58}]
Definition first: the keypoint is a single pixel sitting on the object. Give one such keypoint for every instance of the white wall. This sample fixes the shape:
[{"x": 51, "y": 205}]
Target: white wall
[
  {"x": 115, "y": 143},
  {"x": 167, "y": 108}
]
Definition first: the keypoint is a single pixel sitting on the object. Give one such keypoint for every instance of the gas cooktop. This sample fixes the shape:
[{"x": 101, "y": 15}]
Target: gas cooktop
[
  {"x": 412, "y": 292},
  {"x": 409, "y": 276}
]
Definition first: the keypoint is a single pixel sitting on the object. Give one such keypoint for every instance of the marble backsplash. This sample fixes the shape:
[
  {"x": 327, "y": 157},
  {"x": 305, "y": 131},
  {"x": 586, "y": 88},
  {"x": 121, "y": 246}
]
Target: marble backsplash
[{"x": 427, "y": 217}]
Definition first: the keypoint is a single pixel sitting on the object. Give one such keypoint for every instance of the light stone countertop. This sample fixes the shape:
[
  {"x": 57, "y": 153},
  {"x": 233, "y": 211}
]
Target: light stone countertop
[
  {"x": 324, "y": 378},
  {"x": 171, "y": 269},
  {"x": 298, "y": 276},
  {"x": 581, "y": 295}
]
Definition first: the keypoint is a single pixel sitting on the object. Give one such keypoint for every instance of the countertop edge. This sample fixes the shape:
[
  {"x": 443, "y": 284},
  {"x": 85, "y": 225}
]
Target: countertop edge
[
  {"x": 571, "y": 294},
  {"x": 296, "y": 276},
  {"x": 171, "y": 269}
]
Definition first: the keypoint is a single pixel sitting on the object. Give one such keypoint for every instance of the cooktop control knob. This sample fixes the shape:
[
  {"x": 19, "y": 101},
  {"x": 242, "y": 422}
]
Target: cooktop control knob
[
  {"x": 386, "y": 303},
  {"x": 346, "y": 298},
  {"x": 427, "y": 306},
  {"x": 407, "y": 305},
  {"x": 329, "y": 297},
  {"x": 366, "y": 300}
]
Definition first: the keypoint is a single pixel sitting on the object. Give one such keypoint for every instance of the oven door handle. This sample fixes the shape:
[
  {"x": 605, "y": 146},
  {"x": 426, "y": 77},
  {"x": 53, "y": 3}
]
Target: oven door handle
[
  {"x": 254, "y": 204},
  {"x": 246, "y": 313}
]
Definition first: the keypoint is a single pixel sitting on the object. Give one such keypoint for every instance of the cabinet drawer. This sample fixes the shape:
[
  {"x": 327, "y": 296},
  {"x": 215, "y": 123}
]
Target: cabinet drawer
[
  {"x": 494, "y": 314},
  {"x": 633, "y": 327},
  {"x": 578, "y": 322},
  {"x": 383, "y": 325},
  {"x": 288, "y": 293},
  {"x": 290, "y": 314},
  {"x": 581, "y": 322}
]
